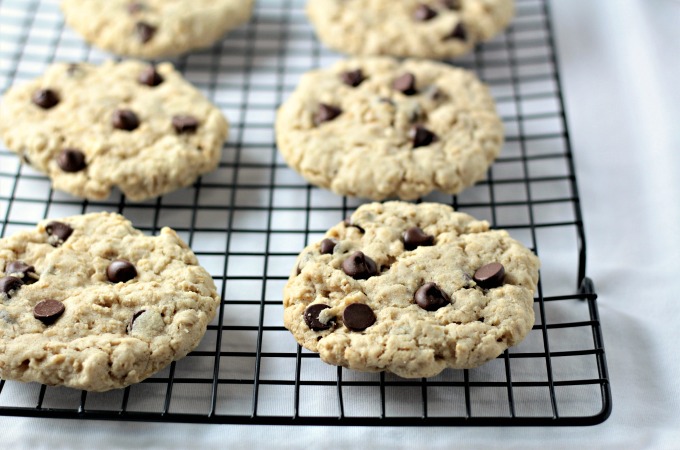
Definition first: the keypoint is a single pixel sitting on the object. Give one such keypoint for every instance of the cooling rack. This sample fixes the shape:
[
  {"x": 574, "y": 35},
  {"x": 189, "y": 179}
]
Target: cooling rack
[{"x": 248, "y": 220}]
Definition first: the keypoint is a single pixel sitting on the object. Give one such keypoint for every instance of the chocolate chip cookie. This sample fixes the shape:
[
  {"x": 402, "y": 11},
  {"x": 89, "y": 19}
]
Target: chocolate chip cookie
[
  {"x": 378, "y": 128},
  {"x": 131, "y": 125},
  {"x": 411, "y": 289},
  {"x": 435, "y": 29},
  {"x": 91, "y": 303},
  {"x": 154, "y": 28}
]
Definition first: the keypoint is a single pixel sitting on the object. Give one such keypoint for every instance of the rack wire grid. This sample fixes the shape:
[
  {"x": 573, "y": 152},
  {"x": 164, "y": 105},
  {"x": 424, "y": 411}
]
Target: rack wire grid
[{"x": 248, "y": 220}]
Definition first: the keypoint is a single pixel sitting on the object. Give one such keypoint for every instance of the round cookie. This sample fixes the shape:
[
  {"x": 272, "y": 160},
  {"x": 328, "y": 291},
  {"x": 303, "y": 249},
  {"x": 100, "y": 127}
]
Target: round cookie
[
  {"x": 91, "y": 303},
  {"x": 154, "y": 28},
  {"x": 142, "y": 129},
  {"x": 435, "y": 29},
  {"x": 411, "y": 289},
  {"x": 379, "y": 128}
]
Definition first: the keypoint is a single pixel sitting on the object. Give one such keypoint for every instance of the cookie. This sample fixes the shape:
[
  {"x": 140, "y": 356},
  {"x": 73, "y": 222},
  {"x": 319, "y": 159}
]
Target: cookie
[
  {"x": 411, "y": 289},
  {"x": 140, "y": 128},
  {"x": 91, "y": 303},
  {"x": 154, "y": 28},
  {"x": 435, "y": 29},
  {"x": 379, "y": 128}
]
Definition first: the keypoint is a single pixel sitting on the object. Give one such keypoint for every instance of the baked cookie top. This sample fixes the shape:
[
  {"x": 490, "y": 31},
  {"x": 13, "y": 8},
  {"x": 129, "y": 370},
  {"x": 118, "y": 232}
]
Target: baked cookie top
[
  {"x": 436, "y": 29},
  {"x": 91, "y": 303},
  {"x": 154, "y": 28},
  {"x": 129, "y": 125},
  {"x": 411, "y": 289},
  {"x": 379, "y": 128}
]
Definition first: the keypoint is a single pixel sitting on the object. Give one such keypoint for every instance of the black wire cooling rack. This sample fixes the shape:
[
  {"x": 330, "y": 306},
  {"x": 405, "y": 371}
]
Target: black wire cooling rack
[{"x": 248, "y": 220}]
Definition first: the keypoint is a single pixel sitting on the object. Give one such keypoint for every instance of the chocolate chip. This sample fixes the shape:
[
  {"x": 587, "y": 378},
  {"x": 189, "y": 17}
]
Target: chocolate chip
[
  {"x": 120, "y": 271},
  {"x": 490, "y": 275},
  {"x": 71, "y": 160},
  {"x": 353, "y": 77},
  {"x": 124, "y": 119},
  {"x": 326, "y": 113},
  {"x": 421, "y": 136},
  {"x": 134, "y": 8},
  {"x": 415, "y": 237},
  {"x": 150, "y": 77},
  {"x": 8, "y": 285},
  {"x": 430, "y": 297},
  {"x": 311, "y": 316},
  {"x": 48, "y": 311},
  {"x": 358, "y": 317},
  {"x": 185, "y": 124},
  {"x": 45, "y": 98},
  {"x": 327, "y": 246},
  {"x": 133, "y": 318},
  {"x": 406, "y": 84},
  {"x": 145, "y": 31},
  {"x": 26, "y": 273},
  {"x": 359, "y": 266},
  {"x": 424, "y": 13},
  {"x": 460, "y": 32},
  {"x": 60, "y": 231},
  {"x": 451, "y": 4},
  {"x": 348, "y": 223}
]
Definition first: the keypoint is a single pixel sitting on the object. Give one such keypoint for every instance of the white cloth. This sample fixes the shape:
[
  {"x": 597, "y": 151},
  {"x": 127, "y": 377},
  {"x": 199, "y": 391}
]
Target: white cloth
[{"x": 620, "y": 69}]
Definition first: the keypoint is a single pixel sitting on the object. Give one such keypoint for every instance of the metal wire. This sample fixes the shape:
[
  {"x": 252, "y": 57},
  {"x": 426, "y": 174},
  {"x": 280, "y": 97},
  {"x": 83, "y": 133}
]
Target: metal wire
[{"x": 249, "y": 219}]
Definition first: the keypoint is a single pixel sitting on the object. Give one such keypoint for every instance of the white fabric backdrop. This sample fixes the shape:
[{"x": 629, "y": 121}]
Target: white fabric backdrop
[{"x": 620, "y": 65}]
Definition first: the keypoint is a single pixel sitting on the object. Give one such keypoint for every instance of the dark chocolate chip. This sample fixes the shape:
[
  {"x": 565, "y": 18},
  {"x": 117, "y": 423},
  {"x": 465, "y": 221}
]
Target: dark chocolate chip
[
  {"x": 145, "y": 31},
  {"x": 311, "y": 316},
  {"x": 124, "y": 119},
  {"x": 358, "y": 317},
  {"x": 430, "y": 297},
  {"x": 327, "y": 246},
  {"x": 415, "y": 237},
  {"x": 9, "y": 285},
  {"x": 424, "y": 13},
  {"x": 45, "y": 98},
  {"x": 133, "y": 318},
  {"x": 460, "y": 32},
  {"x": 28, "y": 275},
  {"x": 71, "y": 160},
  {"x": 60, "y": 231},
  {"x": 326, "y": 113},
  {"x": 353, "y": 77},
  {"x": 406, "y": 84},
  {"x": 359, "y": 266},
  {"x": 348, "y": 223},
  {"x": 150, "y": 77},
  {"x": 185, "y": 124},
  {"x": 134, "y": 8},
  {"x": 120, "y": 271},
  {"x": 490, "y": 275},
  {"x": 451, "y": 4},
  {"x": 47, "y": 311},
  {"x": 421, "y": 136}
]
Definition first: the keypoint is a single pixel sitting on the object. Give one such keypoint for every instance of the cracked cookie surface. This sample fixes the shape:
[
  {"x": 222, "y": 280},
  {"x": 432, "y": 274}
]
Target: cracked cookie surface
[
  {"x": 445, "y": 303},
  {"x": 91, "y": 303},
  {"x": 435, "y": 29},
  {"x": 379, "y": 128},
  {"x": 154, "y": 28},
  {"x": 129, "y": 125}
]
